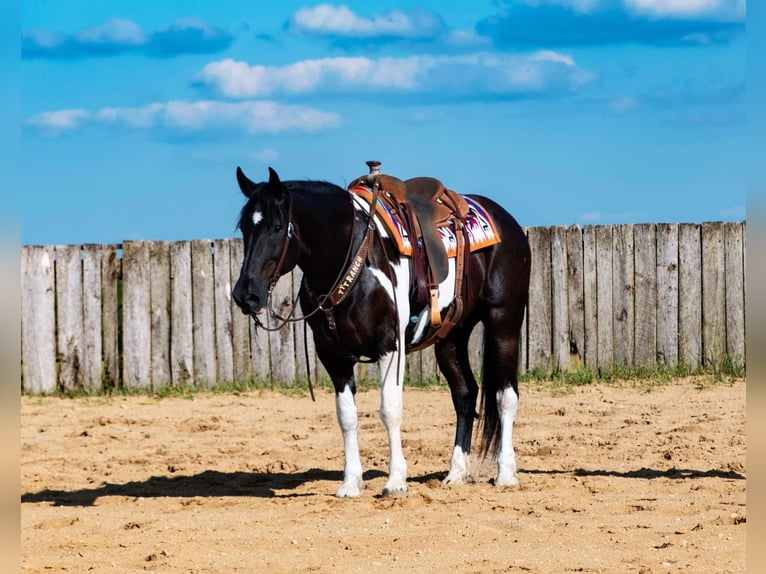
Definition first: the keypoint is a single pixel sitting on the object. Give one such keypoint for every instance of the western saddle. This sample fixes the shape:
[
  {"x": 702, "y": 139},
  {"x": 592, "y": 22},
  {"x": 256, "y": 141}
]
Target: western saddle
[{"x": 424, "y": 205}]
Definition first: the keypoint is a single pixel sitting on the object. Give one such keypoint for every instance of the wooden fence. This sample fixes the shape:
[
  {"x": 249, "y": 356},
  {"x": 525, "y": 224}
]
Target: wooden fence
[{"x": 145, "y": 314}]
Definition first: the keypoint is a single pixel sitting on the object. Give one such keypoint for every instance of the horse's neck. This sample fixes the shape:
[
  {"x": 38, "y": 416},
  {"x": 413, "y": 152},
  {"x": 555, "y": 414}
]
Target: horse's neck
[{"x": 324, "y": 223}]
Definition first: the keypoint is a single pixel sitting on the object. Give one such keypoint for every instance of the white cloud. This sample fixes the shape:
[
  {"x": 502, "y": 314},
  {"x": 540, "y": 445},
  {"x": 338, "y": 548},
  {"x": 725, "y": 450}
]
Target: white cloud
[
  {"x": 54, "y": 123},
  {"x": 724, "y": 9},
  {"x": 116, "y": 30},
  {"x": 266, "y": 155},
  {"x": 477, "y": 74},
  {"x": 192, "y": 117},
  {"x": 340, "y": 20}
]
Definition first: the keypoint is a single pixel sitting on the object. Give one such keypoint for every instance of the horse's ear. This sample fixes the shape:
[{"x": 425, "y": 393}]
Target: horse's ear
[
  {"x": 275, "y": 185},
  {"x": 245, "y": 184}
]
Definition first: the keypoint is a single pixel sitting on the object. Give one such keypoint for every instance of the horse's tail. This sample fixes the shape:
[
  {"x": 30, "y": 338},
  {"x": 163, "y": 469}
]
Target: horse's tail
[{"x": 490, "y": 420}]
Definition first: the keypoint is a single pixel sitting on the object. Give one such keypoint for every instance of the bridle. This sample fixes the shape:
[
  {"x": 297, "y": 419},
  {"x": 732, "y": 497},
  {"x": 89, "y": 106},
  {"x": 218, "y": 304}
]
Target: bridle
[{"x": 347, "y": 276}]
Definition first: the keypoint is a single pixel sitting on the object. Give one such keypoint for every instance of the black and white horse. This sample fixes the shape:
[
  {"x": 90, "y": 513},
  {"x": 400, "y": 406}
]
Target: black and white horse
[{"x": 316, "y": 225}]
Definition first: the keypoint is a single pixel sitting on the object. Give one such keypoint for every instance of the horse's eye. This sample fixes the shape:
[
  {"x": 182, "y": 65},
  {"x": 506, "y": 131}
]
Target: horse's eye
[{"x": 277, "y": 228}]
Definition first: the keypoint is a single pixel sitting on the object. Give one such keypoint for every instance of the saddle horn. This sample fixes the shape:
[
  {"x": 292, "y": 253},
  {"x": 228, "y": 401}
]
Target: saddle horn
[{"x": 374, "y": 170}]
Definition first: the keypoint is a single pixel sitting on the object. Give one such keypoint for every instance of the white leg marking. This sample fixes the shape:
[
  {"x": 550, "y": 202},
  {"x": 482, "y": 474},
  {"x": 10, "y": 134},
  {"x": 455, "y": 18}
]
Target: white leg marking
[
  {"x": 392, "y": 374},
  {"x": 459, "y": 468},
  {"x": 345, "y": 408},
  {"x": 507, "y": 405}
]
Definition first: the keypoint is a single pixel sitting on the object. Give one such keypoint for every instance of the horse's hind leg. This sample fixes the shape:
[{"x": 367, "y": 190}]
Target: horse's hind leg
[
  {"x": 501, "y": 394},
  {"x": 452, "y": 356}
]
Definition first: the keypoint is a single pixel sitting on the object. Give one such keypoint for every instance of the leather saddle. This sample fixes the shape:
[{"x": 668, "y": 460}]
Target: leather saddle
[{"x": 424, "y": 204}]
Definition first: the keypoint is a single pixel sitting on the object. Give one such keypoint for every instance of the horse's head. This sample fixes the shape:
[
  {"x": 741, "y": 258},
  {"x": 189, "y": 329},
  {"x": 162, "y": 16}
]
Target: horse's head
[{"x": 267, "y": 230}]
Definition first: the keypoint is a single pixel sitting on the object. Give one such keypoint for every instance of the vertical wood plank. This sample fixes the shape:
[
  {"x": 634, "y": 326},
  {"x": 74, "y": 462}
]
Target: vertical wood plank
[
  {"x": 223, "y": 317},
  {"x": 431, "y": 373},
  {"x": 667, "y": 293},
  {"x": 539, "y": 336},
  {"x": 559, "y": 299},
  {"x": 735, "y": 292},
  {"x": 240, "y": 327},
  {"x": 111, "y": 296},
  {"x": 713, "y": 294},
  {"x": 159, "y": 295},
  {"x": 605, "y": 313},
  {"x": 69, "y": 317},
  {"x": 136, "y": 341},
  {"x": 575, "y": 297},
  {"x": 590, "y": 293},
  {"x": 182, "y": 333},
  {"x": 282, "y": 342},
  {"x": 302, "y": 357},
  {"x": 476, "y": 350},
  {"x": 203, "y": 313},
  {"x": 92, "y": 317},
  {"x": 623, "y": 290},
  {"x": 645, "y": 260},
  {"x": 259, "y": 351},
  {"x": 689, "y": 295},
  {"x": 38, "y": 319}
]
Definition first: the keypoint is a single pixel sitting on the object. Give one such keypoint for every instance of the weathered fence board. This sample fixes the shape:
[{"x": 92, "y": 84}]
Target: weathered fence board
[
  {"x": 111, "y": 285},
  {"x": 689, "y": 295},
  {"x": 667, "y": 293},
  {"x": 136, "y": 313},
  {"x": 590, "y": 293},
  {"x": 159, "y": 295},
  {"x": 240, "y": 323},
  {"x": 623, "y": 294},
  {"x": 38, "y": 320},
  {"x": 645, "y": 262},
  {"x": 147, "y": 314},
  {"x": 605, "y": 354},
  {"x": 575, "y": 297},
  {"x": 735, "y": 291},
  {"x": 182, "y": 333},
  {"x": 203, "y": 313},
  {"x": 713, "y": 294},
  {"x": 259, "y": 351},
  {"x": 92, "y": 313},
  {"x": 223, "y": 317},
  {"x": 559, "y": 299},
  {"x": 69, "y": 317},
  {"x": 539, "y": 313},
  {"x": 282, "y": 342}
]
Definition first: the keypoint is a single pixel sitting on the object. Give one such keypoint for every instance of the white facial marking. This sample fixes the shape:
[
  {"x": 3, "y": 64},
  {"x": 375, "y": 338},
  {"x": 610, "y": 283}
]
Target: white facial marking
[{"x": 257, "y": 217}]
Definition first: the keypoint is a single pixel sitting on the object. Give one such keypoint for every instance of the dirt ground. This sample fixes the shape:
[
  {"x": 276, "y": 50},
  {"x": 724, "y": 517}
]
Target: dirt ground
[{"x": 614, "y": 478}]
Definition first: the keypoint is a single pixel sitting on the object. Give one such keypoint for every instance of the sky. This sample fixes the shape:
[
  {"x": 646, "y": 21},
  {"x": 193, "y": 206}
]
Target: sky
[{"x": 135, "y": 115}]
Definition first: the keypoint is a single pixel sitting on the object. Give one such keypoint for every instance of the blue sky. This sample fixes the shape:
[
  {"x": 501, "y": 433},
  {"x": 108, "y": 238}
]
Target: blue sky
[{"x": 136, "y": 114}]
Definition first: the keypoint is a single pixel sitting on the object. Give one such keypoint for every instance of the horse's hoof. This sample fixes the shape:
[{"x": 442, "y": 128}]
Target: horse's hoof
[
  {"x": 349, "y": 490},
  {"x": 454, "y": 480},
  {"x": 395, "y": 492},
  {"x": 395, "y": 488},
  {"x": 509, "y": 481}
]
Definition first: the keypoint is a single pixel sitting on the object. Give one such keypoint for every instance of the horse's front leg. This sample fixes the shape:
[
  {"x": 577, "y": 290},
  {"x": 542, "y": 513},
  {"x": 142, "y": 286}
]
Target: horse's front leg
[
  {"x": 345, "y": 408},
  {"x": 391, "y": 411},
  {"x": 342, "y": 374}
]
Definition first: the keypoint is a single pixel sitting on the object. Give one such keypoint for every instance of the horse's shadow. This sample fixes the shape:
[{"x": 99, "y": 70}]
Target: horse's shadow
[{"x": 214, "y": 484}]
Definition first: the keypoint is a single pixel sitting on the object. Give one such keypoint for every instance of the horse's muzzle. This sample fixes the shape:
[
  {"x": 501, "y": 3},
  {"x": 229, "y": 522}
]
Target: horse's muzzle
[{"x": 250, "y": 304}]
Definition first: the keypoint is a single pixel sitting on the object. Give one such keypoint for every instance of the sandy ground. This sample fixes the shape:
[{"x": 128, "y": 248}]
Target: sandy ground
[{"x": 615, "y": 478}]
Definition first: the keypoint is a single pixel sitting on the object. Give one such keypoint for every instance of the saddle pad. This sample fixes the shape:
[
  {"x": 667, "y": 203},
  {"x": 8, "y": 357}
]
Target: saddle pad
[{"x": 481, "y": 230}]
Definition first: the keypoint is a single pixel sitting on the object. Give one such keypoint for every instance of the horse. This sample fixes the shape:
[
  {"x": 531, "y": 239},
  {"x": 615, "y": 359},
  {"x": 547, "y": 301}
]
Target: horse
[{"x": 316, "y": 226}]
